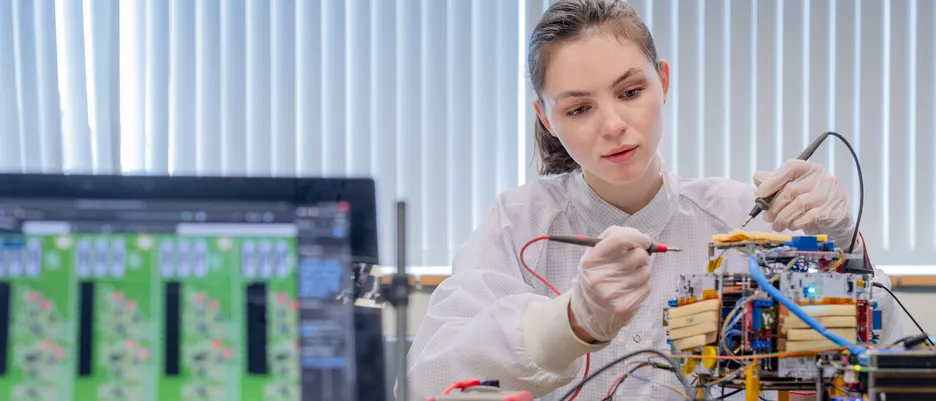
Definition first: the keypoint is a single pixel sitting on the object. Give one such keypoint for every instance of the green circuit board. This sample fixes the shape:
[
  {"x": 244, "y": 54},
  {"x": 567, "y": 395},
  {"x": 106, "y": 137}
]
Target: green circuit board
[{"x": 128, "y": 280}]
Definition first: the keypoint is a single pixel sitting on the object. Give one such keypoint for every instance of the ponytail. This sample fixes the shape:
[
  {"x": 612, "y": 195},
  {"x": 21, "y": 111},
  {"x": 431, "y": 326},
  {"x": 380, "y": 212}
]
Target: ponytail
[{"x": 554, "y": 157}]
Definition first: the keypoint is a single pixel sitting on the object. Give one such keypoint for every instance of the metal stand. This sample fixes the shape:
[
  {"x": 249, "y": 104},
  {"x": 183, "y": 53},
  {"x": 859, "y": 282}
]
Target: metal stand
[{"x": 398, "y": 296}]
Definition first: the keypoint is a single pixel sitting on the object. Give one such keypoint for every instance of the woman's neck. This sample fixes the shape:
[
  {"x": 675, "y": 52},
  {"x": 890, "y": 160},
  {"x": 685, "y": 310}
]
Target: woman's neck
[{"x": 633, "y": 196}]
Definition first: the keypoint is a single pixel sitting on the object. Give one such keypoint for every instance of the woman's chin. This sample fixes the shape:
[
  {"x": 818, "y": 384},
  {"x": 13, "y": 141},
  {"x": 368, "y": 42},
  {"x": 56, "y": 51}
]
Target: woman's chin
[{"x": 621, "y": 174}]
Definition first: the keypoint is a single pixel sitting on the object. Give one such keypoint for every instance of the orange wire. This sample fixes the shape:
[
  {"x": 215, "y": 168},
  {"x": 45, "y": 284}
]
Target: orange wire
[{"x": 555, "y": 291}]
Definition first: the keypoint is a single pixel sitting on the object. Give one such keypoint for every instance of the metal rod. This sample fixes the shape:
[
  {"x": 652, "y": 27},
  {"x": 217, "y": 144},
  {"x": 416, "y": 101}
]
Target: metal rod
[{"x": 402, "y": 306}]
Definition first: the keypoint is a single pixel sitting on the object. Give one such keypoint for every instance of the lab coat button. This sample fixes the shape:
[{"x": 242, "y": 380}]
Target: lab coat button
[{"x": 636, "y": 338}]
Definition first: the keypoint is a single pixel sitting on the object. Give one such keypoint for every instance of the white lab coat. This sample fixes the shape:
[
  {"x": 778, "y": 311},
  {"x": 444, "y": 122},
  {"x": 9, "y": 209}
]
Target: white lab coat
[{"x": 492, "y": 320}]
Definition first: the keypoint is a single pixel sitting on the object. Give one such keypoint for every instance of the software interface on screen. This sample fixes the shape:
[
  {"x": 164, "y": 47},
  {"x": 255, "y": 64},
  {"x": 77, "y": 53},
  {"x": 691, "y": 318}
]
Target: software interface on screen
[{"x": 159, "y": 300}]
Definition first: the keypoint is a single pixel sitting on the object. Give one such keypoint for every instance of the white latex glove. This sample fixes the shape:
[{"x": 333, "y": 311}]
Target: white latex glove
[
  {"x": 809, "y": 199},
  {"x": 612, "y": 281}
]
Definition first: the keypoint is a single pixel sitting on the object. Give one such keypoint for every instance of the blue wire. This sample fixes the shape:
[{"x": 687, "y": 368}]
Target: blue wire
[{"x": 767, "y": 287}]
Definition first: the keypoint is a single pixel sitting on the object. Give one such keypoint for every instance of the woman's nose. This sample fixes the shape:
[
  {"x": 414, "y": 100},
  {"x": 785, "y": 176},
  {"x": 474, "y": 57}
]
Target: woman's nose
[{"x": 612, "y": 122}]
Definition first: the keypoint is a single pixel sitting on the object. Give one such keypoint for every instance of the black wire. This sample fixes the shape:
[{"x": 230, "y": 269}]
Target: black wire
[
  {"x": 851, "y": 247},
  {"x": 676, "y": 370},
  {"x": 724, "y": 396},
  {"x": 881, "y": 286}
]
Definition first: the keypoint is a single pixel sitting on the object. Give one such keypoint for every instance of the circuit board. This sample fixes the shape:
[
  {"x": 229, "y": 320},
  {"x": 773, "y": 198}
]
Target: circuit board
[{"x": 731, "y": 315}]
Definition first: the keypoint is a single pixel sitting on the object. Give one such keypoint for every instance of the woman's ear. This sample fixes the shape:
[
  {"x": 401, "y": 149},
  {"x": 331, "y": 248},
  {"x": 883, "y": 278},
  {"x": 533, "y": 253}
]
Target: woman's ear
[
  {"x": 663, "y": 70},
  {"x": 541, "y": 114}
]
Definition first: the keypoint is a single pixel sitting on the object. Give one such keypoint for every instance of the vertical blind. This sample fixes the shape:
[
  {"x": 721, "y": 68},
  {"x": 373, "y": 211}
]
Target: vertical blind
[{"x": 430, "y": 97}]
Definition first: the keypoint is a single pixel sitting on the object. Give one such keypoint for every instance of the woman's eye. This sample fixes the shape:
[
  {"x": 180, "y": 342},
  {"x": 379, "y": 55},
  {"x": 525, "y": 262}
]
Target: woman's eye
[
  {"x": 632, "y": 92},
  {"x": 576, "y": 111}
]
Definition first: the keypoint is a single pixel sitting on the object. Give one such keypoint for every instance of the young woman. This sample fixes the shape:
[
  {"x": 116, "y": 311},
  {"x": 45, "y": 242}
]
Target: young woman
[{"x": 601, "y": 90}]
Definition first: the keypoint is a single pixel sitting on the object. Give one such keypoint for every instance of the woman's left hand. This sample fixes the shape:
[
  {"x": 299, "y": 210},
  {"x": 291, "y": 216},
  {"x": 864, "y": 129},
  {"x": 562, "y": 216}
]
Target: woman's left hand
[{"x": 809, "y": 199}]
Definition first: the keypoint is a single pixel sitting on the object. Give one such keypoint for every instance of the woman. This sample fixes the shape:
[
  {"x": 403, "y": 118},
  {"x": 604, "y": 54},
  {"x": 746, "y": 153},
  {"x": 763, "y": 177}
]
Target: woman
[{"x": 601, "y": 89}]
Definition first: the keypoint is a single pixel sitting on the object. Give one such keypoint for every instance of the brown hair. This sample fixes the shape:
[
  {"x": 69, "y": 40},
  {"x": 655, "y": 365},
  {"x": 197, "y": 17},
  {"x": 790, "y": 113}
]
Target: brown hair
[{"x": 568, "y": 20}]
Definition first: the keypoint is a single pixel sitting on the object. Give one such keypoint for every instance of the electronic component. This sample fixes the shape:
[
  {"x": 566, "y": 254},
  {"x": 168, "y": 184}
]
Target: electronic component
[
  {"x": 750, "y": 322},
  {"x": 903, "y": 375}
]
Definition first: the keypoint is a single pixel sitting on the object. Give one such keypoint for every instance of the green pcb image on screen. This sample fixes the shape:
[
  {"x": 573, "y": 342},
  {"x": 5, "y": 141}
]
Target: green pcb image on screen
[
  {"x": 121, "y": 317},
  {"x": 229, "y": 315},
  {"x": 37, "y": 295}
]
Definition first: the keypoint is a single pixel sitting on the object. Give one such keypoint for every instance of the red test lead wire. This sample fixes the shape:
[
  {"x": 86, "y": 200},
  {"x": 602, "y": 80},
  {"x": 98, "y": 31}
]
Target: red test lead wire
[
  {"x": 568, "y": 239},
  {"x": 591, "y": 242}
]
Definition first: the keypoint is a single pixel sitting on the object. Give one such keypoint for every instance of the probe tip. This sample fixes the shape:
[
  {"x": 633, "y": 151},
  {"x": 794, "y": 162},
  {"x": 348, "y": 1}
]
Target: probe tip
[
  {"x": 673, "y": 250},
  {"x": 747, "y": 220}
]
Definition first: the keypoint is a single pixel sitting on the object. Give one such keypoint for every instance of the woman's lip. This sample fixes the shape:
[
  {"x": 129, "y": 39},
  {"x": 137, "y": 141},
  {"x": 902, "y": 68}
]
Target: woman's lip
[
  {"x": 621, "y": 156},
  {"x": 620, "y": 149}
]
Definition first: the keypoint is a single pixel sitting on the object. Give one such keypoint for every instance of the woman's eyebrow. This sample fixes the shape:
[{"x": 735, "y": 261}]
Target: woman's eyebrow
[
  {"x": 575, "y": 93},
  {"x": 627, "y": 74}
]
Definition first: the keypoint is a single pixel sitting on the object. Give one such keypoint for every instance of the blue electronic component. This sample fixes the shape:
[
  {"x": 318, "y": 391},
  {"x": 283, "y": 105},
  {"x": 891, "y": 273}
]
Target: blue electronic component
[
  {"x": 804, "y": 243},
  {"x": 809, "y": 291},
  {"x": 763, "y": 303},
  {"x": 810, "y": 243},
  {"x": 761, "y": 345},
  {"x": 673, "y": 303}
]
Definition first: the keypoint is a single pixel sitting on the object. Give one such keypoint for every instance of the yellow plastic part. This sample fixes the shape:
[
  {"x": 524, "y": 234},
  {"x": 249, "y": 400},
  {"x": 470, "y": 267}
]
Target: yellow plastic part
[
  {"x": 751, "y": 384},
  {"x": 710, "y": 352},
  {"x": 714, "y": 264},
  {"x": 690, "y": 366},
  {"x": 756, "y": 236}
]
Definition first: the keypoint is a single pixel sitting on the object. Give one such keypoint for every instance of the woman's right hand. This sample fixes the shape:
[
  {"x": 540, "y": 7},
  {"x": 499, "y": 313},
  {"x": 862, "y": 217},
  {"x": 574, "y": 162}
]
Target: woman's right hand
[{"x": 612, "y": 281}]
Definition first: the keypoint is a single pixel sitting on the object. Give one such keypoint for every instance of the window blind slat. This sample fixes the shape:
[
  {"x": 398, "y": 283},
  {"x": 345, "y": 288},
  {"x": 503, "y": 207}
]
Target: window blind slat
[
  {"x": 846, "y": 72},
  {"x": 358, "y": 141},
  {"x": 742, "y": 90},
  {"x": 820, "y": 66},
  {"x": 768, "y": 65},
  {"x": 259, "y": 152},
  {"x": 434, "y": 195},
  {"x": 483, "y": 111},
  {"x": 794, "y": 106},
  {"x": 925, "y": 146},
  {"x": 78, "y": 156},
  {"x": 283, "y": 89},
  {"x": 900, "y": 112},
  {"x": 10, "y": 154},
  {"x": 157, "y": 86},
  {"x": 233, "y": 88},
  {"x": 872, "y": 130},
  {"x": 47, "y": 62},
  {"x": 98, "y": 25},
  {"x": 309, "y": 88},
  {"x": 691, "y": 121},
  {"x": 715, "y": 79},
  {"x": 506, "y": 96},
  {"x": 208, "y": 87},
  {"x": 22, "y": 143},
  {"x": 459, "y": 122},
  {"x": 384, "y": 125},
  {"x": 132, "y": 85},
  {"x": 333, "y": 86},
  {"x": 182, "y": 93},
  {"x": 409, "y": 120}
]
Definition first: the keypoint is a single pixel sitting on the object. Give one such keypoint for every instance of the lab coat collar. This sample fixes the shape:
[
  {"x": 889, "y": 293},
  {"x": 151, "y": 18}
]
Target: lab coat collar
[{"x": 650, "y": 220}]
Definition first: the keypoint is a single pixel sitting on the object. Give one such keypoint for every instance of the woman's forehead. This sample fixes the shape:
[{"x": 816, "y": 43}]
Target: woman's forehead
[{"x": 591, "y": 63}]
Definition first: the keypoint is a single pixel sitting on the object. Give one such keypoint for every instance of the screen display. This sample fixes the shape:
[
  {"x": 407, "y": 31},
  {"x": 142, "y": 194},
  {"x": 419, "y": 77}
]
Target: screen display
[{"x": 166, "y": 300}]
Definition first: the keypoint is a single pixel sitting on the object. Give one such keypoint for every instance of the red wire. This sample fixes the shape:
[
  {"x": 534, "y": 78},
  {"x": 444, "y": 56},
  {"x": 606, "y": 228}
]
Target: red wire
[{"x": 555, "y": 291}]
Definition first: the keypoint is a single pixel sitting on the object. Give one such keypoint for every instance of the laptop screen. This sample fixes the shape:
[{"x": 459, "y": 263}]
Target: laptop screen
[{"x": 175, "y": 300}]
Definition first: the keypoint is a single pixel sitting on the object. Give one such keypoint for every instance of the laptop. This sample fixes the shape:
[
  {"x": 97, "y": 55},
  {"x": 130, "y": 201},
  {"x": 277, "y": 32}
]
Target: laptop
[{"x": 186, "y": 288}]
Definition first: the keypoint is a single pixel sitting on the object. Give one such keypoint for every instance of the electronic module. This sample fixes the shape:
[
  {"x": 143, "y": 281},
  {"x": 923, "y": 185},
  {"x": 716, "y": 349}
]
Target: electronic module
[{"x": 793, "y": 321}]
